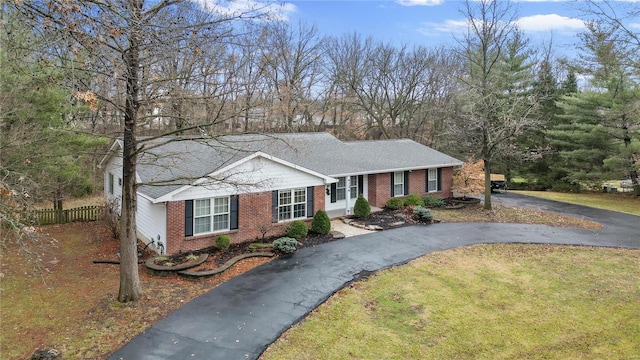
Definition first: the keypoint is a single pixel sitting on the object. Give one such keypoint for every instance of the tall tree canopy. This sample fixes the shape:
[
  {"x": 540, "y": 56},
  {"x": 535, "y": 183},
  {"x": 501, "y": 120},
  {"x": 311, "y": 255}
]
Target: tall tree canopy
[
  {"x": 133, "y": 53},
  {"x": 498, "y": 105},
  {"x": 599, "y": 132}
]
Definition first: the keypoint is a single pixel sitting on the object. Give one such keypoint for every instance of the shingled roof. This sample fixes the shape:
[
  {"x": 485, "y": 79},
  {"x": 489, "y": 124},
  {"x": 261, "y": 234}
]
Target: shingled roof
[{"x": 169, "y": 163}]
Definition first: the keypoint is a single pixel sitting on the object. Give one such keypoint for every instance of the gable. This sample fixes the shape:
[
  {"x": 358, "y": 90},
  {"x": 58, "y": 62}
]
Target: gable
[{"x": 259, "y": 173}]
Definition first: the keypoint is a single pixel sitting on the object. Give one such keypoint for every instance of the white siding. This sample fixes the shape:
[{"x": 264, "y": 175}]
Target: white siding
[
  {"x": 151, "y": 221},
  {"x": 342, "y": 204},
  {"x": 114, "y": 167},
  {"x": 256, "y": 175}
]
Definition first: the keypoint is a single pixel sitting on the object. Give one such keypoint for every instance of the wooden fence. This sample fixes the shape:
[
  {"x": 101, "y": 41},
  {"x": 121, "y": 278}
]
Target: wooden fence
[{"x": 53, "y": 216}]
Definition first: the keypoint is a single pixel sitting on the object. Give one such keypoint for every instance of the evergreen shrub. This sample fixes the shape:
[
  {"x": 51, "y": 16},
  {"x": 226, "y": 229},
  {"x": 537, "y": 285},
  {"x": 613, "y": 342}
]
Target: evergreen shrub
[
  {"x": 423, "y": 213},
  {"x": 285, "y": 245},
  {"x": 413, "y": 200},
  {"x": 361, "y": 209},
  {"x": 223, "y": 242},
  {"x": 394, "y": 203},
  {"x": 297, "y": 229},
  {"x": 321, "y": 223},
  {"x": 432, "y": 201}
]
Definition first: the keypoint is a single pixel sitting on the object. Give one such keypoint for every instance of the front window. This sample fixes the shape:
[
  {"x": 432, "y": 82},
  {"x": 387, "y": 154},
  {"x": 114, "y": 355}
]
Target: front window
[
  {"x": 432, "y": 180},
  {"x": 211, "y": 215},
  {"x": 398, "y": 183},
  {"x": 292, "y": 204},
  {"x": 341, "y": 188}
]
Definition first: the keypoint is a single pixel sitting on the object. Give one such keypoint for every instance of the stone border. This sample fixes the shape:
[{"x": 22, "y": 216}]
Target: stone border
[
  {"x": 360, "y": 225},
  {"x": 210, "y": 273},
  {"x": 161, "y": 270}
]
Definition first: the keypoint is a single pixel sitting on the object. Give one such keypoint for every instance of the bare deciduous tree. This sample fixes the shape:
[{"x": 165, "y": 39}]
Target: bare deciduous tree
[
  {"x": 128, "y": 41},
  {"x": 497, "y": 107},
  {"x": 293, "y": 62}
]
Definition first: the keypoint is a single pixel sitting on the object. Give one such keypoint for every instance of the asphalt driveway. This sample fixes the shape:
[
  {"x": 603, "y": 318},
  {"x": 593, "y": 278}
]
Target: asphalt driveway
[{"x": 241, "y": 317}]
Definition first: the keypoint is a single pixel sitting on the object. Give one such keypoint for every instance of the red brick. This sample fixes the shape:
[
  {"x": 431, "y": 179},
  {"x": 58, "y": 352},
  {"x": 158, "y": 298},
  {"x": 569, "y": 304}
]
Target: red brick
[{"x": 254, "y": 217}]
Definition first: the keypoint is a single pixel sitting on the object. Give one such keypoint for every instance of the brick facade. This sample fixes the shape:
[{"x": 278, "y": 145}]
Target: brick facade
[
  {"x": 380, "y": 185},
  {"x": 254, "y": 219},
  {"x": 254, "y": 211}
]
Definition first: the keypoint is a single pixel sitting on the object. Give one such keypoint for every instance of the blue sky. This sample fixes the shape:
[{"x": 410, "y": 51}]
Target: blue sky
[
  {"x": 426, "y": 22},
  {"x": 432, "y": 22}
]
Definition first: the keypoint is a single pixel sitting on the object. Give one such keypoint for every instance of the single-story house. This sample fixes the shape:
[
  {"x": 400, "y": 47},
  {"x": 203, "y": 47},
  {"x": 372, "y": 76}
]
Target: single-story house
[{"x": 192, "y": 190}]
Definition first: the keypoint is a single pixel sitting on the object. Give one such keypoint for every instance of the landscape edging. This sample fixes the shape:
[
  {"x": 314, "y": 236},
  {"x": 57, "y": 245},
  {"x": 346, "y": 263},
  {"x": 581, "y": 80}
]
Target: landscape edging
[{"x": 210, "y": 273}]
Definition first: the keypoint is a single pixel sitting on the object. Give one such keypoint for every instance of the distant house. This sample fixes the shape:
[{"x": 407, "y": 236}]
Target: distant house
[{"x": 192, "y": 190}]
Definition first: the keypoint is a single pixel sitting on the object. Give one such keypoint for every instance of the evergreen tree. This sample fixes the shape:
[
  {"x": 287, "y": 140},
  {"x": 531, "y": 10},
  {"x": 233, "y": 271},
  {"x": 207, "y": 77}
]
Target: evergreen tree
[
  {"x": 580, "y": 140},
  {"x": 598, "y": 136},
  {"x": 38, "y": 139}
]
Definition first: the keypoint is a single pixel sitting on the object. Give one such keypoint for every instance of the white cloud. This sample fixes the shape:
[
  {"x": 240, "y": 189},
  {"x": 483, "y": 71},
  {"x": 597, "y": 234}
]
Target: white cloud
[
  {"x": 534, "y": 23},
  {"x": 419, "y": 2},
  {"x": 634, "y": 25},
  {"x": 275, "y": 12},
  {"x": 549, "y": 22},
  {"x": 448, "y": 26}
]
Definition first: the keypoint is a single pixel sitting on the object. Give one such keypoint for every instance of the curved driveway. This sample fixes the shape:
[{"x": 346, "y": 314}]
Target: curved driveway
[{"x": 241, "y": 317}]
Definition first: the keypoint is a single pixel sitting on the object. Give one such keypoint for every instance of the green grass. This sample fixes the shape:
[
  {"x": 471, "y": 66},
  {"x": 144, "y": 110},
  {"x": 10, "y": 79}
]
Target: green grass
[
  {"x": 482, "y": 302},
  {"x": 626, "y": 203}
]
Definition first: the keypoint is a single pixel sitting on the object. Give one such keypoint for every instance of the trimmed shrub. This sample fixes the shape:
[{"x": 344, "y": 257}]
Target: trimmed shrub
[
  {"x": 413, "y": 200},
  {"x": 321, "y": 223},
  {"x": 423, "y": 213},
  {"x": 361, "y": 209},
  {"x": 394, "y": 204},
  {"x": 223, "y": 242},
  {"x": 285, "y": 245},
  {"x": 432, "y": 201},
  {"x": 297, "y": 229}
]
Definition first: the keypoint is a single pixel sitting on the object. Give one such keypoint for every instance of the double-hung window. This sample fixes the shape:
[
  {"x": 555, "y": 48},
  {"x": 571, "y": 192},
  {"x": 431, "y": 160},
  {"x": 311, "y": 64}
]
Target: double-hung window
[
  {"x": 432, "y": 180},
  {"x": 398, "y": 183},
  {"x": 341, "y": 188},
  {"x": 292, "y": 204},
  {"x": 211, "y": 215}
]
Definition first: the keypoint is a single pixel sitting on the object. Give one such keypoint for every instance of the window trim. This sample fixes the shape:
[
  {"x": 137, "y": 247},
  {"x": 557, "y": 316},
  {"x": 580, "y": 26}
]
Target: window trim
[
  {"x": 396, "y": 183},
  {"x": 292, "y": 205},
  {"x": 353, "y": 187},
  {"x": 212, "y": 215},
  {"x": 434, "y": 180}
]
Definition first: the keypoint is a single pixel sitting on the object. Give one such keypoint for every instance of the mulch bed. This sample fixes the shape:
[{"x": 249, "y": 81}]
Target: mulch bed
[
  {"x": 385, "y": 219},
  {"x": 218, "y": 258},
  {"x": 391, "y": 219}
]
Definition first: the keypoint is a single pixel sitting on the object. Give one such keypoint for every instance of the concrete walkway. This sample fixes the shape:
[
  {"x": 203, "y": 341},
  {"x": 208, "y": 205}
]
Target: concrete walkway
[
  {"x": 241, "y": 317},
  {"x": 348, "y": 230}
]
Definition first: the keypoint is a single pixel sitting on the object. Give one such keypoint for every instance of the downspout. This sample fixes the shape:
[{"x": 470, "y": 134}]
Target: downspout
[{"x": 347, "y": 195}]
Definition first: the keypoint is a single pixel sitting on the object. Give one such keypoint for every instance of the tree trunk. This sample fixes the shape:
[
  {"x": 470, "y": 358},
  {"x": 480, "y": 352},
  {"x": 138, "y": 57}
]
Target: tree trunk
[
  {"x": 130, "y": 289},
  {"x": 487, "y": 184}
]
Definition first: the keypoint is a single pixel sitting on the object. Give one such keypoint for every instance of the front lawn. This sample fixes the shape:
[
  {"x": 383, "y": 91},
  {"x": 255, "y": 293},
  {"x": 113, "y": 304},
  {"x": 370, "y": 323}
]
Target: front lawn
[
  {"x": 623, "y": 202},
  {"x": 485, "y": 301}
]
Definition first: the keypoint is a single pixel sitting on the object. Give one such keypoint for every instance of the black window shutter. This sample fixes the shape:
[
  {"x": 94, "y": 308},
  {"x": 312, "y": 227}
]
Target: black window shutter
[
  {"x": 274, "y": 206},
  {"x": 233, "y": 209},
  {"x": 392, "y": 194},
  {"x": 406, "y": 183},
  {"x": 361, "y": 185},
  {"x": 439, "y": 180},
  {"x": 188, "y": 218},
  {"x": 426, "y": 180},
  {"x": 310, "y": 201},
  {"x": 334, "y": 188}
]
